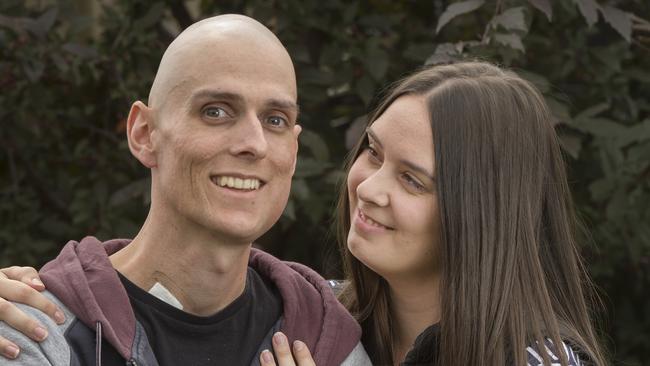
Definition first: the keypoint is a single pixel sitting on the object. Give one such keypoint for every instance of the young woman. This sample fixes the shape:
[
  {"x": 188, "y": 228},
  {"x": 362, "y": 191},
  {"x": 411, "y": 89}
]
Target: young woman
[{"x": 457, "y": 229}]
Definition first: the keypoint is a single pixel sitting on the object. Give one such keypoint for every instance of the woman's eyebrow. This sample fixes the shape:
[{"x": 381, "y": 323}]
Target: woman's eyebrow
[
  {"x": 374, "y": 137},
  {"x": 405, "y": 162},
  {"x": 417, "y": 168}
]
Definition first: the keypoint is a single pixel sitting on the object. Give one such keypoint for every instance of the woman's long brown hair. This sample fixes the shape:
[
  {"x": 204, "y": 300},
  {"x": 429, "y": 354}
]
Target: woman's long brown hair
[{"x": 511, "y": 273}]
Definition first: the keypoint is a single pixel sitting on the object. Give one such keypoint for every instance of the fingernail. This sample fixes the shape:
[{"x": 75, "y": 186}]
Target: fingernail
[
  {"x": 266, "y": 356},
  {"x": 37, "y": 282},
  {"x": 11, "y": 351},
  {"x": 279, "y": 339},
  {"x": 40, "y": 333},
  {"x": 59, "y": 317},
  {"x": 298, "y": 345}
]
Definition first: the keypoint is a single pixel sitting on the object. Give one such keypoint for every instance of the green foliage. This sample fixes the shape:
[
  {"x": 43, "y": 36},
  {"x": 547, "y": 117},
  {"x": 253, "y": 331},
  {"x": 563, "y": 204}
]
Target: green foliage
[{"x": 69, "y": 71}]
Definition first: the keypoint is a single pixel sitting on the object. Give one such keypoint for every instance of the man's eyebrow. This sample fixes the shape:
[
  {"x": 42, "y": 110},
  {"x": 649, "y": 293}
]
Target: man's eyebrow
[
  {"x": 283, "y": 104},
  {"x": 407, "y": 163},
  {"x": 215, "y": 94},
  {"x": 271, "y": 103}
]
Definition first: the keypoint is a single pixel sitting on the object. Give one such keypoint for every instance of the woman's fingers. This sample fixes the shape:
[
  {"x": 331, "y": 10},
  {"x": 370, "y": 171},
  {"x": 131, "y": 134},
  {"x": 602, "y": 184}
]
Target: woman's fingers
[
  {"x": 26, "y": 275},
  {"x": 302, "y": 354},
  {"x": 282, "y": 350},
  {"x": 22, "y": 285},
  {"x": 300, "y": 357},
  {"x": 18, "y": 320},
  {"x": 266, "y": 358},
  {"x": 16, "y": 285},
  {"x": 8, "y": 349}
]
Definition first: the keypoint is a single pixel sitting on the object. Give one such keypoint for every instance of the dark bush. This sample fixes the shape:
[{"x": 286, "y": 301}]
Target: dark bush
[{"x": 70, "y": 69}]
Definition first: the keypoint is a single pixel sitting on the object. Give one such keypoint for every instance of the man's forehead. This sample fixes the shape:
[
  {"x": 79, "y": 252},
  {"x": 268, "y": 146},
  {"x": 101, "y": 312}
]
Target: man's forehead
[
  {"x": 275, "y": 101},
  {"x": 234, "y": 49}
]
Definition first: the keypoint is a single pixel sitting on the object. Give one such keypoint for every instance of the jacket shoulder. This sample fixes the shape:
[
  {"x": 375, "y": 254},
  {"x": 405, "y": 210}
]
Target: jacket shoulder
[{"x": 53, "y": 351}]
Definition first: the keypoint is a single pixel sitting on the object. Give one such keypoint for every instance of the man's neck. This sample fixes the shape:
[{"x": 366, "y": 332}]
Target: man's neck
[
  {"x": 203, "y": 273},
  {"x": 415, "y": 306}
]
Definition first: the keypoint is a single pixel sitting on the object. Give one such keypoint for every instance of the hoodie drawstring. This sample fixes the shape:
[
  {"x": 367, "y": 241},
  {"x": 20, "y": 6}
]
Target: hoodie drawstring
[{"x": 98, "y": 344}]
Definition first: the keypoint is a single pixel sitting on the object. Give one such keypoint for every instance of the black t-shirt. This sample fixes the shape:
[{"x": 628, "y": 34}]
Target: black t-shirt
[{"x": 230, "y": 337}]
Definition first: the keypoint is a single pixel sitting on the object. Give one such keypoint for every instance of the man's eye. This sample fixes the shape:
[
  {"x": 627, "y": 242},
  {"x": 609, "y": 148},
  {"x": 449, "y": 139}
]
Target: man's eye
[
  {"x": 277, "y": 121},
  {"x": 214, "y": 112}
]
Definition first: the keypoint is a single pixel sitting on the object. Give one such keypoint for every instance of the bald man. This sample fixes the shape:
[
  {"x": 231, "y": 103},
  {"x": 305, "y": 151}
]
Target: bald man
[{"x": 219, "y": 136}]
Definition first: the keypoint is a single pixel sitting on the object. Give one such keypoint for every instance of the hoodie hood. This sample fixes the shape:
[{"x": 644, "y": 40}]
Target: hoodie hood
[
  {"x": 83, "y": 278},
  {"x": 311, "y": 312}
]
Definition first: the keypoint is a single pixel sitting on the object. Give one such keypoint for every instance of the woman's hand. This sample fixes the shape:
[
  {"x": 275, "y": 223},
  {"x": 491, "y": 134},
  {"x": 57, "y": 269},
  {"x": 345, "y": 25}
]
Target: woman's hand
[
  {"x": 22, "y": 285},
  {"x": 300, "y": 357}
]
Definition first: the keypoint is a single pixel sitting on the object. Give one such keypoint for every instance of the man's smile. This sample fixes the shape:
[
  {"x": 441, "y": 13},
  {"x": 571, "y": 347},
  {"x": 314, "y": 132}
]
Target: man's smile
[{"x": 239, "y": 183}]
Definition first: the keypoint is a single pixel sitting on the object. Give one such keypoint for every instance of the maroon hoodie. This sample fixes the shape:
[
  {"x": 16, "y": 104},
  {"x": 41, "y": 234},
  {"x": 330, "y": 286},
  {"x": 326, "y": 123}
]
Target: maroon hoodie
[{"x": 84, "y": 281}]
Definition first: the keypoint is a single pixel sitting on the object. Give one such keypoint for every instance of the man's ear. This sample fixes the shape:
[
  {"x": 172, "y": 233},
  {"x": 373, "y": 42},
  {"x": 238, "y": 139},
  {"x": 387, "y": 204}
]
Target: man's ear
[
  {"x": 296, "y": 133},
  {"x": 139, "y": 129}
]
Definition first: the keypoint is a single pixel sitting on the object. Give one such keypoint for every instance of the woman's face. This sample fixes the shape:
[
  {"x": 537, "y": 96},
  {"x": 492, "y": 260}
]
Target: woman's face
[{"x": 395, "y": 221}]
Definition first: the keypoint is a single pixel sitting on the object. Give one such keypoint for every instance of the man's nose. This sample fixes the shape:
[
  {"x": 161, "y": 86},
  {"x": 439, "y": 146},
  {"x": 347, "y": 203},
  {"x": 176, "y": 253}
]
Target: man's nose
[
  {"x": 375, "y": 189},
  {"x": 249, "y": 140}
]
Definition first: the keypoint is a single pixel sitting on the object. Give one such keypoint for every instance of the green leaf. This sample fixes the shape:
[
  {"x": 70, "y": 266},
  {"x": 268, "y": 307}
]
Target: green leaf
[
  {"x": 83, "y": 51},
  {"x": 510, "y": 40},
  {"x": 41, "y": 26},
  {"x": 571, "y": 143},
  {"x": 34, "y": 70},
  {"x": 620, "y": 20},
  {"x": 153, "y": 16},
  {"x": 638, "y": 74},
  {"x": 355, "y": 131},
  {"x": 601, "y": 127},
  {"x": 636, "y": 133},
  {"x": 300, "y": 189},
  {"x": 544, "y": 6},
  {"x": 129, "y": 192},
  {"x": 601, "y": 189},
  {"x": 309, "y": 167},
  {"x": 290, "y": 211},
  {"x": 456, "y": 9},
  {"x": 592, "y": 111},
  {"x": 365, "y": 88},
  {"x": 539, "y": 81},
  {"x": 419, "y": 51},
  {"x": 589, "y": 10},
  {"x": 376, "y": 63},
  {"x": 444, "y": 53},
  {"x": 560, "y": 110},
  {"x": 315, "y": 143},
  {"x": 511, "y": 19},
  {"x": 617, "y": 205}
]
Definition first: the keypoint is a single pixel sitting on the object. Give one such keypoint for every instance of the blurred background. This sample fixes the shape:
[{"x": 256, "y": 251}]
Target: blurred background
[{"x": 70, "y": 69}]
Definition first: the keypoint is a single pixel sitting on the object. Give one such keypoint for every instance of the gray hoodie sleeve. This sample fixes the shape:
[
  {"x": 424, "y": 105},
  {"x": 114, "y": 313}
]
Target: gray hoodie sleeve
[
  {"x": 53, "y": 351},
  {"x": 358, "y": 357}
]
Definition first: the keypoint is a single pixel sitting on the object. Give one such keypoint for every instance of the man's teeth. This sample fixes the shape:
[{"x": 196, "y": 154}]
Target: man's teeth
[{"x": 238, "y": 183}]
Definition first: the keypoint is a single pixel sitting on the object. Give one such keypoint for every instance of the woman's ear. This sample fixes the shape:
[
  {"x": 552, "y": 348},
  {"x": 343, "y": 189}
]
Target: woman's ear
[{"x": 139, "y": 129}]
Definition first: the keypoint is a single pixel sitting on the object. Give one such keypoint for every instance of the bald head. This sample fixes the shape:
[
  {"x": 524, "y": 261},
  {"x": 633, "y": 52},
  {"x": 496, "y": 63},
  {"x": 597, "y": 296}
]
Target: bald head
[{"x": 226, "y": 43}]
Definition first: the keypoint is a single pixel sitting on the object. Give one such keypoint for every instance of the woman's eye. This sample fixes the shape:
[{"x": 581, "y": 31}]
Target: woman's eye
[
  {"x": 373, "y": 154},
  {"x": 214, "y": 112},
  {"x": 413, "y": 182}
]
